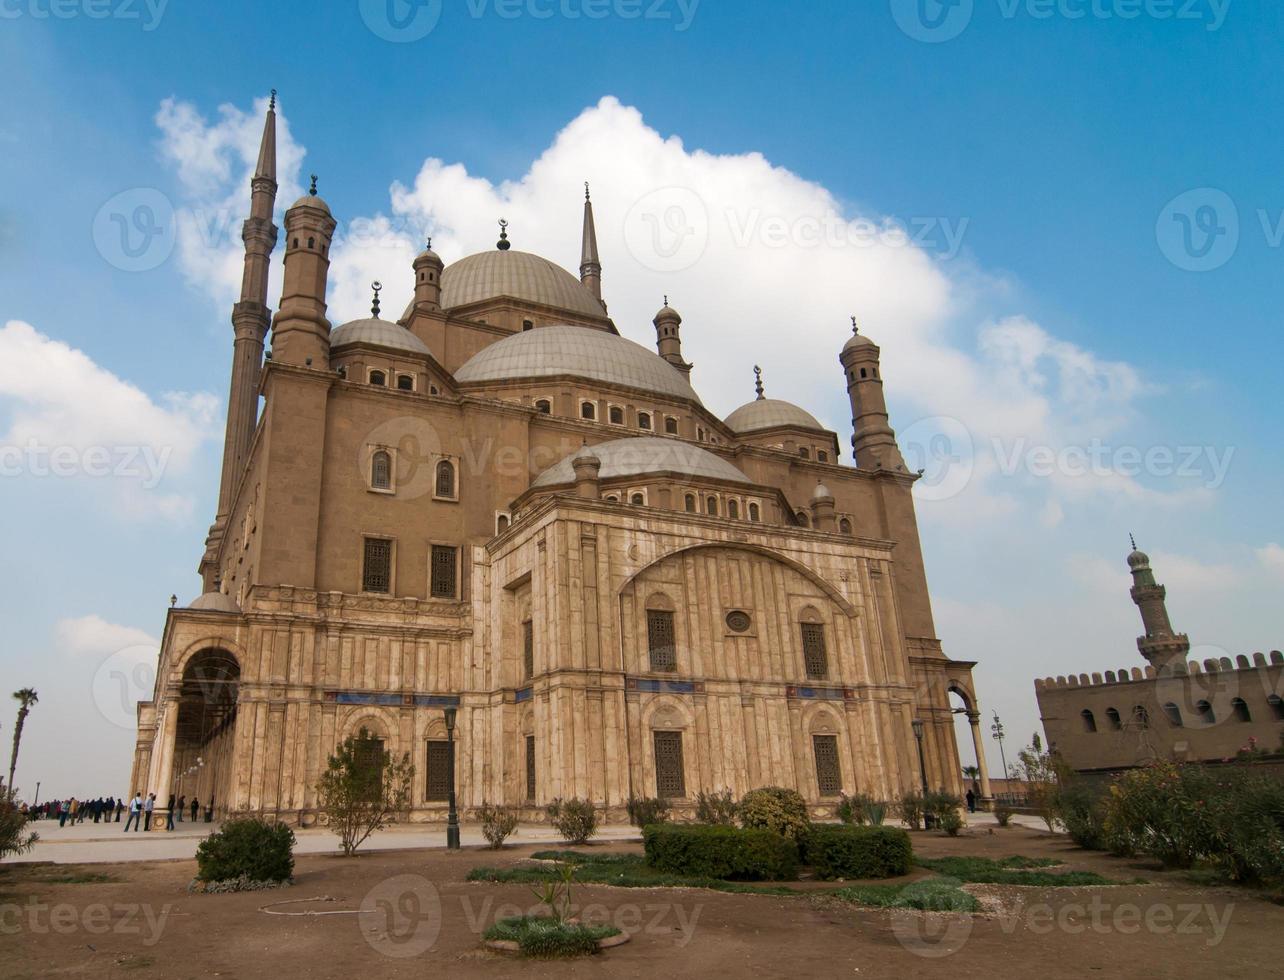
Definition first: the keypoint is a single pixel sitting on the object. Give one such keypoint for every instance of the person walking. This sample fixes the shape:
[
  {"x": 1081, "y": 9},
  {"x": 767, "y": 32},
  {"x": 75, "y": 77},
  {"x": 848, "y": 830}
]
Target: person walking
[
  {"x": 120, "y": 806},
  {"x": 135, "y": 811},
  {"x": 196, "y": 807},
  {"x": 182, "y": 805},
  {"x": 169, "y": 813},
  {"x": 149, "y": 805},
  {"x": 971, "y": 802},
  {"x": 63, "y": 809}
]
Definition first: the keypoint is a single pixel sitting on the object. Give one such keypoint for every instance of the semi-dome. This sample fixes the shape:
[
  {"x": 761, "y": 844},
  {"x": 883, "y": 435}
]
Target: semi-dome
[
  {"x": 518, "y": 274},
  {"x": 766, "y": 413},
  {"x": 578, "y": 351},
  {"x": 642, "y": 455},
  {"x": 215, "y": 602},
  {"x": 379, "y": 333}
]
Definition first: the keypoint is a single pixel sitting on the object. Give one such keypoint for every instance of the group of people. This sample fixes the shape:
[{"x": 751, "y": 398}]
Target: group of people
[{"x": 138, "y": 811}]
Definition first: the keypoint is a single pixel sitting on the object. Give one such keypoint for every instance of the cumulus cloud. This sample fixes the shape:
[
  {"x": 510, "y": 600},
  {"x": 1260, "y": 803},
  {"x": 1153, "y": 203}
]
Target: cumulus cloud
[
  {"x": 94, "y": 636},
  {"x": 1271, "y": 557},
  {"x": 64, "y": 417}
]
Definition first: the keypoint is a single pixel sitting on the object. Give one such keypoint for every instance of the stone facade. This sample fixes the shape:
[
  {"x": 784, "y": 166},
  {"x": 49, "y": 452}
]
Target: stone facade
[{"x": 501, "y": 506}]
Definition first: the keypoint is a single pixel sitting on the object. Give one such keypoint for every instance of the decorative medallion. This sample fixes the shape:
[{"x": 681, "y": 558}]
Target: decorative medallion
[{"x": 738, "y": 621}]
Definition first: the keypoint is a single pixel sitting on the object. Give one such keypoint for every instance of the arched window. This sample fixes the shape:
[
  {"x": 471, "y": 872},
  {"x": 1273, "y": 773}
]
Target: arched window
[
  {"x": 381, "y": 470},
  {"x": 753, "y": 512},
  {"x": 691, "y": 503},
  {"x": 637, "y": 500},
  {"x": 699, "y": 434},
  {"x": 644, "y": 420},
  {"x": 1112, "y": 716},
  {"x": 1277, "y": 706},
  {"x": 822, "y": 456},
  {"x": 528, "y": 325},
  {"x": 845, "y": 526},
  {"x": 804, "y": 452},
  {"x": 815, "y": 656},
  {"x": 1089, "y": 722},
  {"x": 544, "y": 406},
  {"x": 588, "y": 411},
  {"x": 501, "y": 523},
  {"x": 802, "y": 520},
  {"x": 671, "y": 426},
  {"x": 378, "y": 378},
  {"x": 711, "y": 505},
  {"x": 445, "y": 478},
  {"x": 405, "y": 382},
  {"x": 616, "y": 415},
  {"x": 612, "y": 498},
  {"x": 862, "y": 373},
  {"x": 1174, "y": 714},
  {"x": 1205, "y": 712},
  {"x": 733, "y": 510},
  {"x": 1140, "y": 717},
  {"x": 1240, "y": 710}
]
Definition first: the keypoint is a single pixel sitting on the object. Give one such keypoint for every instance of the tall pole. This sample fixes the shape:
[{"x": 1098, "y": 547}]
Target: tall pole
[
  {"x": 452, "y": 817},
  {"x": 917, "y": 725},
  {"x": 37, "y": 799},
  {"x": 997, "y": 729}
]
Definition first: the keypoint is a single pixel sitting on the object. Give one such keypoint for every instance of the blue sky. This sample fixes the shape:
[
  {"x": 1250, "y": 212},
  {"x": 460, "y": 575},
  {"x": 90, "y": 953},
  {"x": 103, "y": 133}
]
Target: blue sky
[{"x": 1051, "y": 301}]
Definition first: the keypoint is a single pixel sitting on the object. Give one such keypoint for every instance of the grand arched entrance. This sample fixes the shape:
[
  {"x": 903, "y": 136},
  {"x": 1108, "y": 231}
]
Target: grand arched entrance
[{"x": 205, "y": 730}]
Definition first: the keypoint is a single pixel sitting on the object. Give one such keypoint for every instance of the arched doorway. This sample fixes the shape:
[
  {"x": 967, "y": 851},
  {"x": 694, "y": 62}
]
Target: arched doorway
[
  {"x": 205, "y": 731},
  {"x": 967, "y": 730}
]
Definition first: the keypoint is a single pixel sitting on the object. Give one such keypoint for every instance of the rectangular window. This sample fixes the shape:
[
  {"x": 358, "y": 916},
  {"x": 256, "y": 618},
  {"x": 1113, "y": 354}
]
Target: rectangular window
[
  {"x": 815, "y": 659},
  {"x": 530, "y": 768},
  {"x": 659, "y": 639},
  {"x": 828, "y": 777},
  {"x": 437, "y": 781},
  {"x": 670, "y": 783},
  {"x": 369, "y": 761},
  {"x": 443, "y": 572},
  {"x": 528, "y": 650},
  {"x": 376, "y": 570}
]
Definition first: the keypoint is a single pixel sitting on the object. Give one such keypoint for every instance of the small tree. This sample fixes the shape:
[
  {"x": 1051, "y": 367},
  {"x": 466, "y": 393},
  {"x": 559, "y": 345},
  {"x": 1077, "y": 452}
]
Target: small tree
[
  {"x": 362, "y": 787},
  {"x": 717, "y": 807},
  {"x": 14, "y": 838},
  {"x": 1039, "y": 769}
]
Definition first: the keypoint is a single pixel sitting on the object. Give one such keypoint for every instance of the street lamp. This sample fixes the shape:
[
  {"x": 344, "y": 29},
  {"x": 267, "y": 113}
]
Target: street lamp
[
  {"x": 452, "y": 817},
  {"x": 997, "y": 729},
  {"x": 928, "y": 821},
  {"x": 37, "y": 799}
]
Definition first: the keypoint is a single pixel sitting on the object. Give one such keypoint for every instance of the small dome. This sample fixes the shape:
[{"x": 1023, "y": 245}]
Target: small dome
[
  {"x": 582, "y": 352},
  {"x": 586, "y": 457},
  {"x": 1138, "y": 559},
  {"x": 377, "y": 333},
  {"x": 821, "y": 493},
  {"x": 215, "y": 602},
  {"x": 766, "y": 413},
  {"x": 311, "y": 201},
  {"x": 518, "y": 274},
  {"x": 667, "y": 312},
  {"x": 857, "y": 340},
  {"x": 642, "y": 455}
]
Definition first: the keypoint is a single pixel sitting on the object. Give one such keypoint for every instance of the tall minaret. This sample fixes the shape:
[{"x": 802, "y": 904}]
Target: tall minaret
[
  {"x": 873, "y": 441},
  {"x": 250, "y": 319},
  {"x": 668, "y": 337},
  {"x": 590, "y": 266},
  {"x": 1160, "y": 645},
  {"x": 300, "y": 331}
]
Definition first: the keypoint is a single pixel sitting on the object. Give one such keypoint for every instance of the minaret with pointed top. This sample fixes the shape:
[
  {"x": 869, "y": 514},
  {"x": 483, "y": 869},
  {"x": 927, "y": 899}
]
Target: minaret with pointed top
[
  {"x": 300, "y": 331},
  {"x": 590, "y": 265},
  {"x": 668, "y": 337},
  {"x": 250, "y": 319},
  {"x": 1160, "y": 645},
  {"x": 873, "y": 441}
]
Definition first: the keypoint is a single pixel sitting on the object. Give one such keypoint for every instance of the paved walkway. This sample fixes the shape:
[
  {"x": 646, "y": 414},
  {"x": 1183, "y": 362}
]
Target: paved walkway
[{"x": 89, "y": 843}]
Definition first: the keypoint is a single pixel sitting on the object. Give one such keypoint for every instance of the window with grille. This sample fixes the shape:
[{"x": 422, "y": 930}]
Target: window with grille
[
  {"x": 644, "y": 420},
  {"x": 442, "y": 585},
  {"x": 376, "y": 571},
  {"x": 659, "y": 640},
  {"x": 437, "y": 784},
  {"x": 670, "y": 782},
  {"x": 753, "y": 512},
  {"x": 381, "y": 470},
  {"x": 544, "y": 406},
  {"x": 368, "y": 757},
  {"x": 733, "y": 510},
  {"x": 588, "y": 411},
  {"x": 528, "y": 650},
  {"x": 616, "y": 415},
  {"x": 445, "y": 478},
  {"x": 815, "y": 659},
  {"x": 828, "y": 777},
  {"x": 691, "y": 503},
  {"x": 405, "y": 382},
  {"x": 378, "y": 378},
  {"x": 530, "y": 768},
  {"x": 671, "y": 426}
]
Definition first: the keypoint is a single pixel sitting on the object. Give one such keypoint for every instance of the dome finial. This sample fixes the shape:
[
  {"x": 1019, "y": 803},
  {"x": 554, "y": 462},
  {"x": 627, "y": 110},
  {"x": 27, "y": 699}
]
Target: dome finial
[
  {"x": 586, "y": 193},
  {"x": 429, "y": 243},
  {"x": 855, "y": 327},
  {"x": 272, "y": 100},
  {"x": 313, "y": 189},
  {"x": 1132, "y": 540},
  {"x": 757, "y": 381},
  {"x": 374, "y": 306},
  {"x": 503, "y": 244},
  {"x": 666, "y": 299}
]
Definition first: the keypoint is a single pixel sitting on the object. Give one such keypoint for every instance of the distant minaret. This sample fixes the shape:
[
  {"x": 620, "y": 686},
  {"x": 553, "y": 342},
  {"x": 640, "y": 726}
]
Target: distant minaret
[
  {"x": 873, "y": 441},
  {"x": 300, "y": 331},
  {"x": 668, "y": 337},
  {"x": 590, "y": 265},
  {"x": 1160, "y": 645},
  {"x": 250, "y": 319}
]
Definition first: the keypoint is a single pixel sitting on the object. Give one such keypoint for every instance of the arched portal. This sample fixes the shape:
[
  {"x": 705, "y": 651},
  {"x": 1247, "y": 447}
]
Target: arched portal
[{"x": 204, "y": 733}]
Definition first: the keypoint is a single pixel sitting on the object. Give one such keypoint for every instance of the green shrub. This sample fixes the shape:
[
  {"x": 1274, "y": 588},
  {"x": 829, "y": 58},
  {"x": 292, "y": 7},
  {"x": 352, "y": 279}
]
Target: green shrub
[
  {"x": 845, "y": 851},
  {"x": 911, "y": 808},
  {"x": 715, "y": 851},
  {"x": 574, "y": 819},
  {"x": 1250, "y": 819},
  {"x": 545, "y": 937},
  {"x": 1081, "y": 811},
  {"x": 497, "y": 823},
  {"x": 950, "y": 821},
  {"x": 259, "y": 850},
  {"x": 859, "y": 808},
  {"x": 718, "y": 807},
  {"x": 782, "y": 811},
  {"x": 646, "y": 810},
  {"x": 944, "y": 808},
  {"x": 1165, "y": 810},
  {"x": 1003, "y": 813},
  {"x": 15, "y": 838}
]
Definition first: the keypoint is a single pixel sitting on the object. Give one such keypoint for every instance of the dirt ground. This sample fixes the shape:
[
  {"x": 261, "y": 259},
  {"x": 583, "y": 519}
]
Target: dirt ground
[{"x": 401, "y": 914}]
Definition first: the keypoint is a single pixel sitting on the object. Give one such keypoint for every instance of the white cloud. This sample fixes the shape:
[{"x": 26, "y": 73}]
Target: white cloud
[
  {"x": 64, "y": 417},
  {"x": 1271, "y": 557},
  {"x": 93, "y": 636}
]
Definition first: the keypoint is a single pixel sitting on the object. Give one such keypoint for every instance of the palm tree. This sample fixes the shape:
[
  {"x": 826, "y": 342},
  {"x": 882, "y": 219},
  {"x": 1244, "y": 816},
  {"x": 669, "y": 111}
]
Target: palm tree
[{"x": 25, "y": 698}]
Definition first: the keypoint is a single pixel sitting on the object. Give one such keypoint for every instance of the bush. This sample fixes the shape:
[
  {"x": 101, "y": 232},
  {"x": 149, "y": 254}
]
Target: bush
[
  {"x": 845, "y": 851},
  {"x": 1250, "y": 820},
  {"x": 1081, "y": 811},
  {"x": 1164, "y": 810},
  {"x": 911, "y": 808},
  {"x": 247, "y": 847},
  {"x": 1003, "y": 813},
  {"x": 497, "y": 823},
  {"x": 718, "y": 807},
  {"x": 547, "y": 937},
  {"x": 950, "y": 821},
  {"x": 646, "y": 810},
  {"x": 14, "y": 837},
  {"x": 713, "y": 851},
  {"x": 944, "y": 808},
  {"x": 858, "y": 809},
  {"x": 574, "y": 819},
  {"x": 782, "y": 811}
]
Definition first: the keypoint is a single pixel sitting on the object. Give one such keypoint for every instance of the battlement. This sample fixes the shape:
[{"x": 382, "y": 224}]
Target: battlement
[{"x": 1129, "y": 675}]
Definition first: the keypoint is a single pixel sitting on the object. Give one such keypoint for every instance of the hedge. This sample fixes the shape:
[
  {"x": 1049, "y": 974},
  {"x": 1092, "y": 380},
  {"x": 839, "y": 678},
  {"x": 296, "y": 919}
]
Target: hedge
[
  {"x": 260, "y": 850},
  {"x": 710, "y": 851},
  {"x": 846, "y": 851}
]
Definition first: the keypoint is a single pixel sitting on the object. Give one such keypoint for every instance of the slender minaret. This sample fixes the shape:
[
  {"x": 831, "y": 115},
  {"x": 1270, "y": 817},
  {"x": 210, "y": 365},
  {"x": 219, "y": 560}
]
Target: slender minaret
[
  {"x": 250, "y": 319},
  {"x": 428, "y": 269},
  {"x": 1160, "y": 645},
  {"x": 300, "y": 331},
  {"x": 590, "y": 265},
  {"x": 668, "y": 337},
  {"x": 873, "y": 441}
]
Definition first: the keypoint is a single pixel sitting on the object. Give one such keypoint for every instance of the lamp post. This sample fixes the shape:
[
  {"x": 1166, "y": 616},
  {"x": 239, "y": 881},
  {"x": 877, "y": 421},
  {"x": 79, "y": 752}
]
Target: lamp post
[
  {"x": 452, "y": 817},
  {"x": 37, "y": 799},
  {"x": 928, "y": 821},
  {"x": 997, "y": 729}
]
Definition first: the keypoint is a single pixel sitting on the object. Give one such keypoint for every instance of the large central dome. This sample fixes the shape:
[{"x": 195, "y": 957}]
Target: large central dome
[
  {"x": 641, "y": 456},
  {"x": 519, "y": 274},
  {"x": 583, "y": 352}
]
